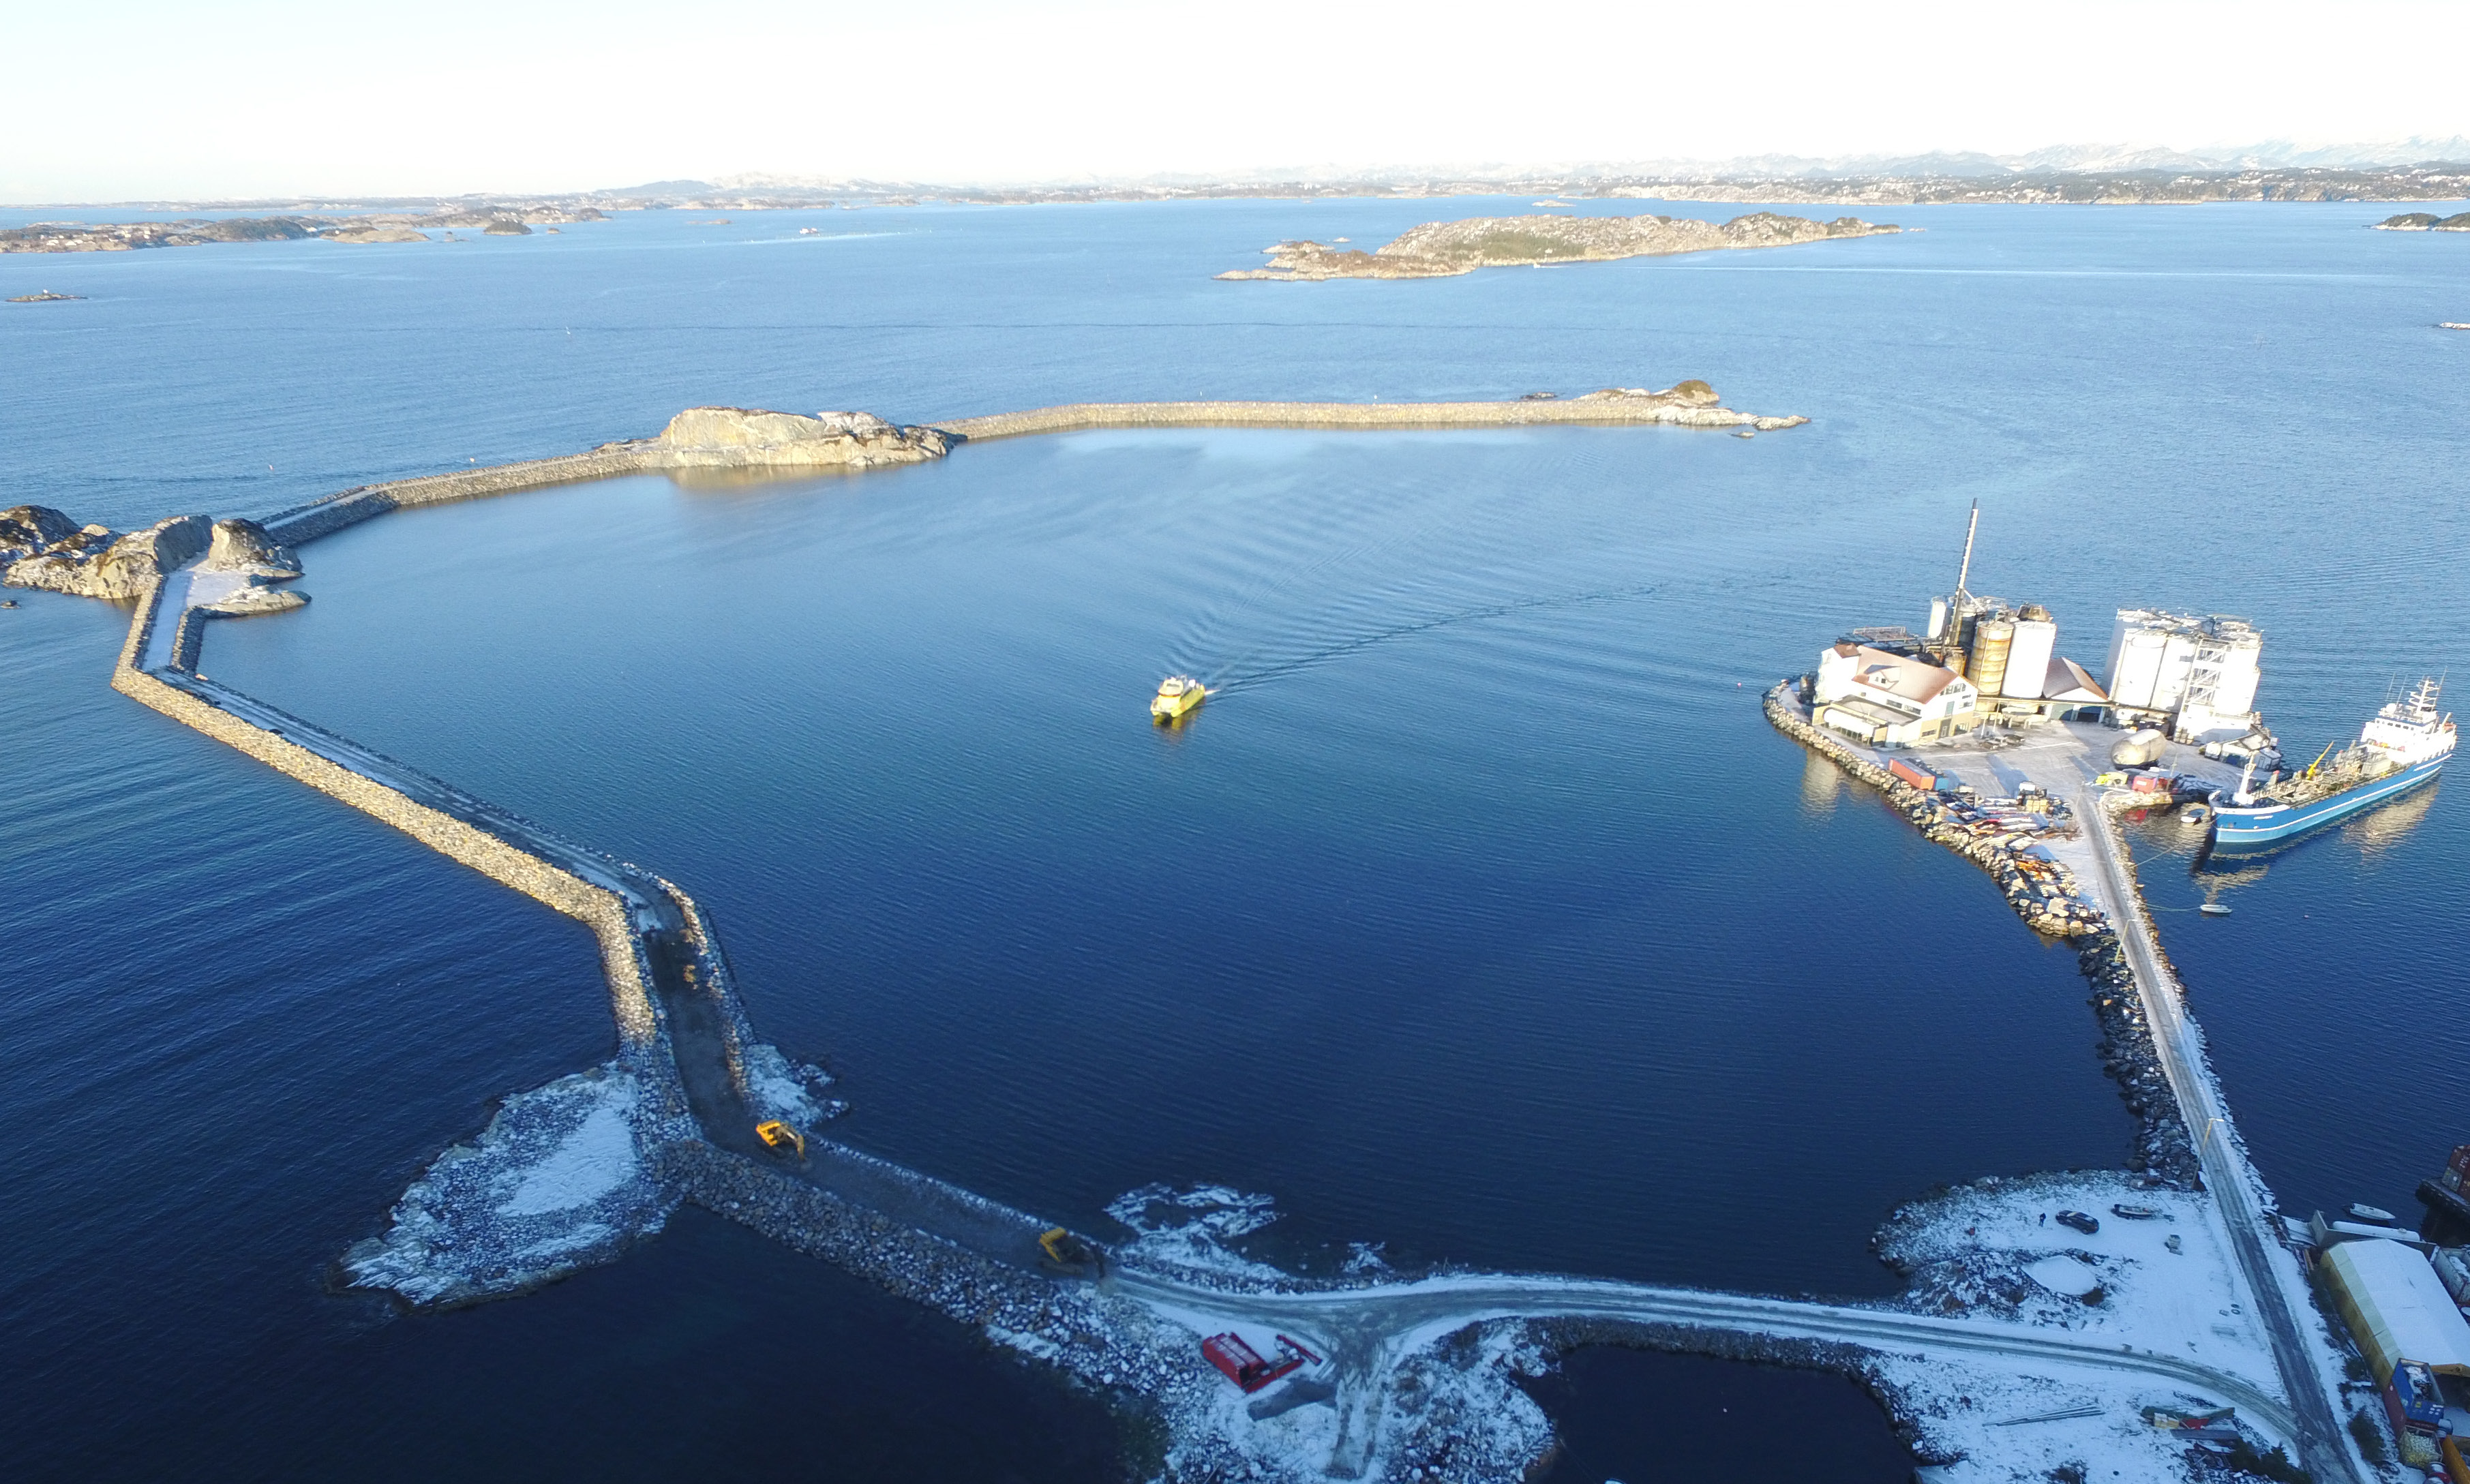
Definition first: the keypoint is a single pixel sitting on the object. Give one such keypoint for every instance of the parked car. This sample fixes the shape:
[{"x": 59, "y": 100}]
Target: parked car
[{"x": 2080, "y": 1222}]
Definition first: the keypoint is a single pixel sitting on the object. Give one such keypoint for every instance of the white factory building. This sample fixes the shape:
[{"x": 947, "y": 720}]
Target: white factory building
[
  {"x": 1879, "y": 697},
  {"x": 2197, "y": 674}
]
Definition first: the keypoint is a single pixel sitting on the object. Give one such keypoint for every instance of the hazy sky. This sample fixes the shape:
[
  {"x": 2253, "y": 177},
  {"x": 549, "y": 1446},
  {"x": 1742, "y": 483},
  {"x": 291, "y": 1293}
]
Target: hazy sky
[{"x": 120, "y": 98}]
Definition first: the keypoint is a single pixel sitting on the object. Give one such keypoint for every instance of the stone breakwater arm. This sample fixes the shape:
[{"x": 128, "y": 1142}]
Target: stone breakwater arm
[
  {"x": 696, "y": 438},
  {"x": 786, "y": 442},
  {"x": 1688, "y": 406},
  {"x": 567, "y": 878}
]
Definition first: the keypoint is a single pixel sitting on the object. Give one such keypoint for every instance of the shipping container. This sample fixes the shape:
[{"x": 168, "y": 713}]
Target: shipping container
[
  {"x": 2411, "y": 1401},
  {"x": 2150, "y": 782},
  {"x": 1912, "y": 772}
]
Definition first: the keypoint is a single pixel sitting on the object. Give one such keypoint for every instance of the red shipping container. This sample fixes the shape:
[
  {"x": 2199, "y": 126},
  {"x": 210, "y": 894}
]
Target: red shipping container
[
  {"x": 2460, "y": 1163},
  {"x": 1918, "y": 776}
]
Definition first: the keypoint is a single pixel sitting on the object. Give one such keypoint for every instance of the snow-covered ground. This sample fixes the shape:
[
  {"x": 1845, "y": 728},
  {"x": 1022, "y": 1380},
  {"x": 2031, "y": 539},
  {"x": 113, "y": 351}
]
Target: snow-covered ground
[
  {"x": 556, "y": 1182},
  {"x": 2163, "y": 1285}
]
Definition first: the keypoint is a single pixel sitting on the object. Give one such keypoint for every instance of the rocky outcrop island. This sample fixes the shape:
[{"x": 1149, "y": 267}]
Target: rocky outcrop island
[
  {"x": 2425, "y": 221},
  {"x": 1445, "y": 250}
]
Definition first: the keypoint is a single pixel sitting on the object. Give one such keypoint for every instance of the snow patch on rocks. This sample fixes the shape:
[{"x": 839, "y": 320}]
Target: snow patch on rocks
[
  {"x": 790, "y": 1091},
  {"x": 1193, "y": 1231},
  {"x": 555, "y": 1183}
]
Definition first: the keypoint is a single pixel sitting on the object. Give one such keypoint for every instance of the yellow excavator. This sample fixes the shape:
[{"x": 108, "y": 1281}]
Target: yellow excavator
[
  {"x": 780, "y": 1135},
  {"x": 1073, "y": 1252}
]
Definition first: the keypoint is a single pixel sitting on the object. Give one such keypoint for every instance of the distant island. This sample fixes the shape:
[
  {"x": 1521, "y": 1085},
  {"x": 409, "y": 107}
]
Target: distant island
[
  {"x": 1443, "y": 249},
  {"x": 2425, "y": 221},
  {"x": 383, "y": 226},
  {"x": 47, "y": 296}
]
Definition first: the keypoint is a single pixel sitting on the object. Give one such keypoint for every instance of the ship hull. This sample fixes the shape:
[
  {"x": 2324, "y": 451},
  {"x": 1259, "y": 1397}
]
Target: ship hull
[{"x": 2234, "y": 826}]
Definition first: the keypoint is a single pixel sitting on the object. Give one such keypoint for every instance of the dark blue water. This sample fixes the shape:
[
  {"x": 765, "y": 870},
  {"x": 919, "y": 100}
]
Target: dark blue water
[{"x": 1482, "y": 917}]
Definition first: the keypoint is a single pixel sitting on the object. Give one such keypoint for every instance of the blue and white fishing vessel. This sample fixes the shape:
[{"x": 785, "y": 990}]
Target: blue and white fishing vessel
[{"x": 2404, "y": 746}]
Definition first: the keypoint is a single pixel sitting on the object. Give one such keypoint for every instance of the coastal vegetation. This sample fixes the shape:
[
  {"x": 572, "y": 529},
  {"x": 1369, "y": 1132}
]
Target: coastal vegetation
[{"x": 2425, "y": 221}]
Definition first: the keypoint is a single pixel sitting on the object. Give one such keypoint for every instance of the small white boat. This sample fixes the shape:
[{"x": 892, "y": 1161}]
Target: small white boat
[
  {"x": 2373, "y": 1216},
  {"x": 2214, "y": 909}
]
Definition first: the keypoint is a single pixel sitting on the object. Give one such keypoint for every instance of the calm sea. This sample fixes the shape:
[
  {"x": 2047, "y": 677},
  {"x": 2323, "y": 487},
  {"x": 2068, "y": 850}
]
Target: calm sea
[{"x": 1482, "y": 918}]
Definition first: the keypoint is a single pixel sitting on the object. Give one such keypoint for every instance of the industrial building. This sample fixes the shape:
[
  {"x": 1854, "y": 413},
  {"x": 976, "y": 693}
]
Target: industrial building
[
  {"x": 2411, "y": 1332},
  {"x": 2195, "y": 676},
  {"x": 1982, "y": 662},
  {"x": 2009, "y": 655},
  {"x": 1881, "y": 697}
]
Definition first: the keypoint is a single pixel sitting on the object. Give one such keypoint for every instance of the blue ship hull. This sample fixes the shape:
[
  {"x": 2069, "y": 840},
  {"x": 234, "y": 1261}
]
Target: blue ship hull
[{"x": 2234, "y": 826}]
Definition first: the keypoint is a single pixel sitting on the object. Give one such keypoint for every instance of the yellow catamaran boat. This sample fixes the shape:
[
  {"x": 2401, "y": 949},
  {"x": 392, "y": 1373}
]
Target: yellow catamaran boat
[{"x": 1178, "y": 697}]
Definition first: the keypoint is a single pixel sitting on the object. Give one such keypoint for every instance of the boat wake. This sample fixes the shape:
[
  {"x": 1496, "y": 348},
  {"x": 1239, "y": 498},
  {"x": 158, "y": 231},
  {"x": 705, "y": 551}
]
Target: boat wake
[{"x": 1263, "y": 663}]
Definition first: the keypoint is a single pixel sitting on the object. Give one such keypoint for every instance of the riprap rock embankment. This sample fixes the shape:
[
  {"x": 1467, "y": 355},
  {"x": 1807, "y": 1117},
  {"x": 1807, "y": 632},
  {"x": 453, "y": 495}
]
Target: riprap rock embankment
[
  {"x": 1691, "y": 404},
  {"x": 1444, "y": 249}
]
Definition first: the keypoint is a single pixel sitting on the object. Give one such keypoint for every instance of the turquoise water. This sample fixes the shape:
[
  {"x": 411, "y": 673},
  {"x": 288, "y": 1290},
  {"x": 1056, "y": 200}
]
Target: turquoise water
[{"x": 1482, "y": 917}]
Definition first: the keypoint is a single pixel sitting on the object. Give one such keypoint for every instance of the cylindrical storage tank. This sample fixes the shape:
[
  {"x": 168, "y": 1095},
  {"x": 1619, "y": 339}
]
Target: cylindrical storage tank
[
  {"x": 2140, "y": 664},
  {"x": 2137, "y": 749},
  {"x": 1938, "y": 618},
  {"x": 1987, "y": 668},
  {"x": 2028, "y": 658}
]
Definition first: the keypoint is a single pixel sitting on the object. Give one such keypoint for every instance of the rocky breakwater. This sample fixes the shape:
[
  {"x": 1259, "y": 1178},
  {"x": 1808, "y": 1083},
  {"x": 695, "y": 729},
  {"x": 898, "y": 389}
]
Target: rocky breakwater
[
  {"x": 748, "y": 438},
  {"x": 696, "y": 438},
  {"x": 2049, "y": 899},
  {"x": 1445, "y": 250},
  {"x": 40, "y": 547},
  {"x": 1691, "y": 404}
]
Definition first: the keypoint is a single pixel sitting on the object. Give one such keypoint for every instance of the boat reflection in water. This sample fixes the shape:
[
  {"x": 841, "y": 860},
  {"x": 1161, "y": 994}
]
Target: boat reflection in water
[{"x": 2380, "y": 829}]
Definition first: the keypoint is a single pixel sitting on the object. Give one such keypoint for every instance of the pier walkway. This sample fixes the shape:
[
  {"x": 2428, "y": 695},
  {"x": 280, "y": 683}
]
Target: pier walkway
[{"x": 2282, "y": 1302}]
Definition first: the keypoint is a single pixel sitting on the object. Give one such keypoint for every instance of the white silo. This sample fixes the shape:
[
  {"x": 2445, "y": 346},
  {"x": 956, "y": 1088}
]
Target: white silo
[
  {"x": 2136, "y": 666},
  {"x": 2178, "y": 659},
  {"x": 2241, "y": 667},
  {"x": 2028, "y": 658}
]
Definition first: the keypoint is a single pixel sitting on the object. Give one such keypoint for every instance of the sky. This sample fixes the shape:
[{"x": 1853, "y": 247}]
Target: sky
[{"x": 121, "y": 100}]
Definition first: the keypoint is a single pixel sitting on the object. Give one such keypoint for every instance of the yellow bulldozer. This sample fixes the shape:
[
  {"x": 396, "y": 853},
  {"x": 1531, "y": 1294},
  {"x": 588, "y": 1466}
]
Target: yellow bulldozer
[{"x": 778, "y": 1135}]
